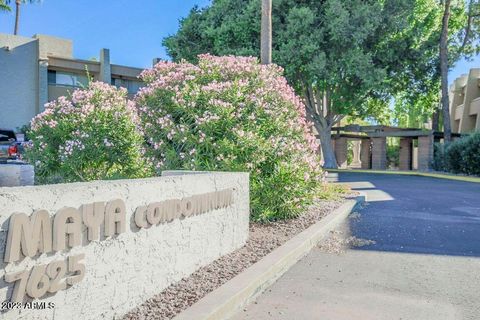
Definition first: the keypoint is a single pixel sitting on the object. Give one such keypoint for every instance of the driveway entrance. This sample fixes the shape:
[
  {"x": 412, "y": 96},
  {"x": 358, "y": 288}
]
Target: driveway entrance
[{"x": 424, "y": 262}]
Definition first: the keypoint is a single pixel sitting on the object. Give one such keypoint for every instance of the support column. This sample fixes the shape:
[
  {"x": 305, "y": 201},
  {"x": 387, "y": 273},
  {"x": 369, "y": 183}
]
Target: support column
[
  {"x": 341, "y": 149},
  {"x": 379, "y": 153},
  {"x": 415, "y": 158},
  {"x": 366, "y": 153},
  {"x": 105, "y": 68},
  {"x": 42, "y": 85},
  {"x": 405, "y": 161},
  {"x": 425, "y": 152}
]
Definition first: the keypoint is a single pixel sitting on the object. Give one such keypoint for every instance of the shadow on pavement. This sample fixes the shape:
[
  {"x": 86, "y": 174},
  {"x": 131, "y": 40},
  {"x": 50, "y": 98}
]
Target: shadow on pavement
[{"x": 416, "y": 214}]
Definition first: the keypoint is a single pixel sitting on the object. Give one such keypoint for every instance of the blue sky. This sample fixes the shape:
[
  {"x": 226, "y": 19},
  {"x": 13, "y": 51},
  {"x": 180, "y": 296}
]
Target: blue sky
[{"x": 131, "y": 31}]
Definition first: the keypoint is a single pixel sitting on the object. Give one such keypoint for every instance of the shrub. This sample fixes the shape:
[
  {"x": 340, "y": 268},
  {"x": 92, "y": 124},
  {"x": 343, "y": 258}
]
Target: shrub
[
  {"x": 232, "y": 114},
  {"x": 439, "y": 157},
  {"x": 393, "y": 155},
  {"x": 459, "y": 156},
  {"x": 350, "y": 146},
  {"x": 453, "y": 156},
  {"x": 471, "y": 155},
  {"x": 91, "y": 135}
]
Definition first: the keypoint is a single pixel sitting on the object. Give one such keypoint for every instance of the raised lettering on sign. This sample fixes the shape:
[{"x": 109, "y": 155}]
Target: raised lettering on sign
[
  {"x": 93, "y": 215},
  {"x": 41, "y": 233},
  {"x": 47, "y": 278},
  {"x": 165, "y": 211},
  {"x": 28, "y": 235},
  {"x": 67, "y": 225}
]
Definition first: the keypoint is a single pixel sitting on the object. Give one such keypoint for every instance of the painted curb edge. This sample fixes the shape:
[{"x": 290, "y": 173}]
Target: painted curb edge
[{"x": 231, "y": 297}]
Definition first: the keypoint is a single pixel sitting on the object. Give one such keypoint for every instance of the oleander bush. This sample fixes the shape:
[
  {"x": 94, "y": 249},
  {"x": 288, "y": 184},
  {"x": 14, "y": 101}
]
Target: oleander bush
[
  {"x": 460, "y": 156},
  {"x": 89, "y": 136},
  {"x": 232, "y": 114}
]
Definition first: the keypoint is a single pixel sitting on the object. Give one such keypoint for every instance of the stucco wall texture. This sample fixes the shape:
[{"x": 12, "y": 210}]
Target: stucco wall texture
[
  {"x": 127, "y": 269},
  {"x": 19, "y": 81}
]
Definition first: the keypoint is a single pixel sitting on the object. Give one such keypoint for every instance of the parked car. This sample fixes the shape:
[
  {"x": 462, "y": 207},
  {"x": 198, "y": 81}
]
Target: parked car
[{"x": 9, "y": 146}]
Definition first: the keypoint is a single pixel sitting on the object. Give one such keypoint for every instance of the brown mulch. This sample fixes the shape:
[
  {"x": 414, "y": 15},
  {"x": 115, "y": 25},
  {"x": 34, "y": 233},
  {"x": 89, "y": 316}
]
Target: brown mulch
[{"x": 263, "y": 238}]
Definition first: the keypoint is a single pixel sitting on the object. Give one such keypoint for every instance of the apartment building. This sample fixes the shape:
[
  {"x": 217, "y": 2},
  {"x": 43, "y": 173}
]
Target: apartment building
[
  {"x": 465, "y": 102},
  {"x": 42, "y": 68}
]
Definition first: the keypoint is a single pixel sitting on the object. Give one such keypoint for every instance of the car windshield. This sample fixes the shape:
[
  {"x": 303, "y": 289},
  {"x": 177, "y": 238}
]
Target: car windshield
[{"x": 6, "y": 135}]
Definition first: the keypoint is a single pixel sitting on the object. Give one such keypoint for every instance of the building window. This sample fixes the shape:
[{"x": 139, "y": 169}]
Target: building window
[
  {"x": 132, "y": 86},
  {"x": 67, "y": 79}
]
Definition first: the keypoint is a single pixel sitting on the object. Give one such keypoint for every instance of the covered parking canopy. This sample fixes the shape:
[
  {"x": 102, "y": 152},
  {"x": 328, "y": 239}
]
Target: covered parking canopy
[{"x": 371, "y": 150}]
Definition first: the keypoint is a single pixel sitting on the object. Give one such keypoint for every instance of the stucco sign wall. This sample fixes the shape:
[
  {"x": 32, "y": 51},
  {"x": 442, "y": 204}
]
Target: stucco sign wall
[{"x": 96, "y": 250}]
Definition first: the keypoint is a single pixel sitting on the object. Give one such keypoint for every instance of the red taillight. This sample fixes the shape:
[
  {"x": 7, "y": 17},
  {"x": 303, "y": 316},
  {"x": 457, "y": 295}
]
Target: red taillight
[{"x": 12, "y": 151}]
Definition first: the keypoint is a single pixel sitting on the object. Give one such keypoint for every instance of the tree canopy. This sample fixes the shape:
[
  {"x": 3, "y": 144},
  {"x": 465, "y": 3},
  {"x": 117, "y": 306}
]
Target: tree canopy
[
  {"x": 4, "y": 6},
  {"x": 345, "y": 57},
  {"x": 417, "y": 95}
]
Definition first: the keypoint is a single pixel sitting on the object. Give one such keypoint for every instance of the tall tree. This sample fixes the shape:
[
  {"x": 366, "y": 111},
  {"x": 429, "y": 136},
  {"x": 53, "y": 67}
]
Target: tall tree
[
  {"x": 444, "y": 71},
  {"x": 420, "y": 94},
  {"x": 4, "y": 6},
  {"x": 266, "y": 33},
  {"x": 18, "y": 3},
  {"x": 346, "y": 57},
  {"x": 416, "y": 91},
  {"x": 467, "y": 45}
]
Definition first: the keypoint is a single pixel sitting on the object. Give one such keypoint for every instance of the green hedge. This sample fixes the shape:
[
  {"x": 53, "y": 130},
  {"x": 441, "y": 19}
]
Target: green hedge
[{"x": 460, "y": 156}]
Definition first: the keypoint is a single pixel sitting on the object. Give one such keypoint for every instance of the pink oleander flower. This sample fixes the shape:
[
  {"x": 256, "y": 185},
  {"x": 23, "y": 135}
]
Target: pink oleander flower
[
  {"x": 92, "y": 134},
  {"x": 231, "y": 113}
]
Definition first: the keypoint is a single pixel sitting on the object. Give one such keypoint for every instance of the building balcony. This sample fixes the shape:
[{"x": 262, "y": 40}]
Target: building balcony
[
  {"x": 475, "y": 107},
  {"x": 57, "y": 90},
  {"x": 458, "y": 112}
]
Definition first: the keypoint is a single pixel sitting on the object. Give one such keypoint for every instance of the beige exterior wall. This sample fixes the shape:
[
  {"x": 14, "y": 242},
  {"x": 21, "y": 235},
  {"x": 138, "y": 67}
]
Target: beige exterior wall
[
  {"x": 54, "y": 47},
  {"x": 465, "y": 102},
  {"x": 24, "y": 72},
  {"x": 18, "y": 80}
]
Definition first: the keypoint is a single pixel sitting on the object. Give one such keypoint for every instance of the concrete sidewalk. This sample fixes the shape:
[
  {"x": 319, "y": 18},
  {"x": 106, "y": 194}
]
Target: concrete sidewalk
[
  {"x": 366, "y": 285},
  {"x": 424, "y": 263}
]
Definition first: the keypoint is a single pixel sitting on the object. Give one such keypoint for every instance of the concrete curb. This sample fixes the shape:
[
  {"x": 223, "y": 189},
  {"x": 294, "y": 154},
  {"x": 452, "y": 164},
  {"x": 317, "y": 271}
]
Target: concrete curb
[
  {"x": 226, "y": 300},
  {"x": 412, "y": 173}
]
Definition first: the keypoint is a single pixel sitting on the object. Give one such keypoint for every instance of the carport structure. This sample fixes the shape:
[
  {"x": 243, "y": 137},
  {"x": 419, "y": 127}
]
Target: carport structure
[{"x": 371, "y": 152}]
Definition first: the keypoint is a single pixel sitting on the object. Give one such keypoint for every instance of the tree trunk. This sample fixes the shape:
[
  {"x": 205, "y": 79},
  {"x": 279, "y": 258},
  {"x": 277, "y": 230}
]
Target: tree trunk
[
  {"x": 266, "y": 33},
  {"x": 330, "y": 161},
  {"x": 17, "y": 16},
  {"x": 318, "y": 110},
  {"x": 444, "y": 73}
]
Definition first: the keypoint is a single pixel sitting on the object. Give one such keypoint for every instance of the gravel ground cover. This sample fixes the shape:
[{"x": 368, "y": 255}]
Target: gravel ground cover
[{"x": 263, "y": 238}]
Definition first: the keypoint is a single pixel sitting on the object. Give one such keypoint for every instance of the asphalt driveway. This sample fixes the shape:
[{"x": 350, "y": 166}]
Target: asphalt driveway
[
  {"x": 417, "y": 214},
  {"x": 424, "y": 262}
]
